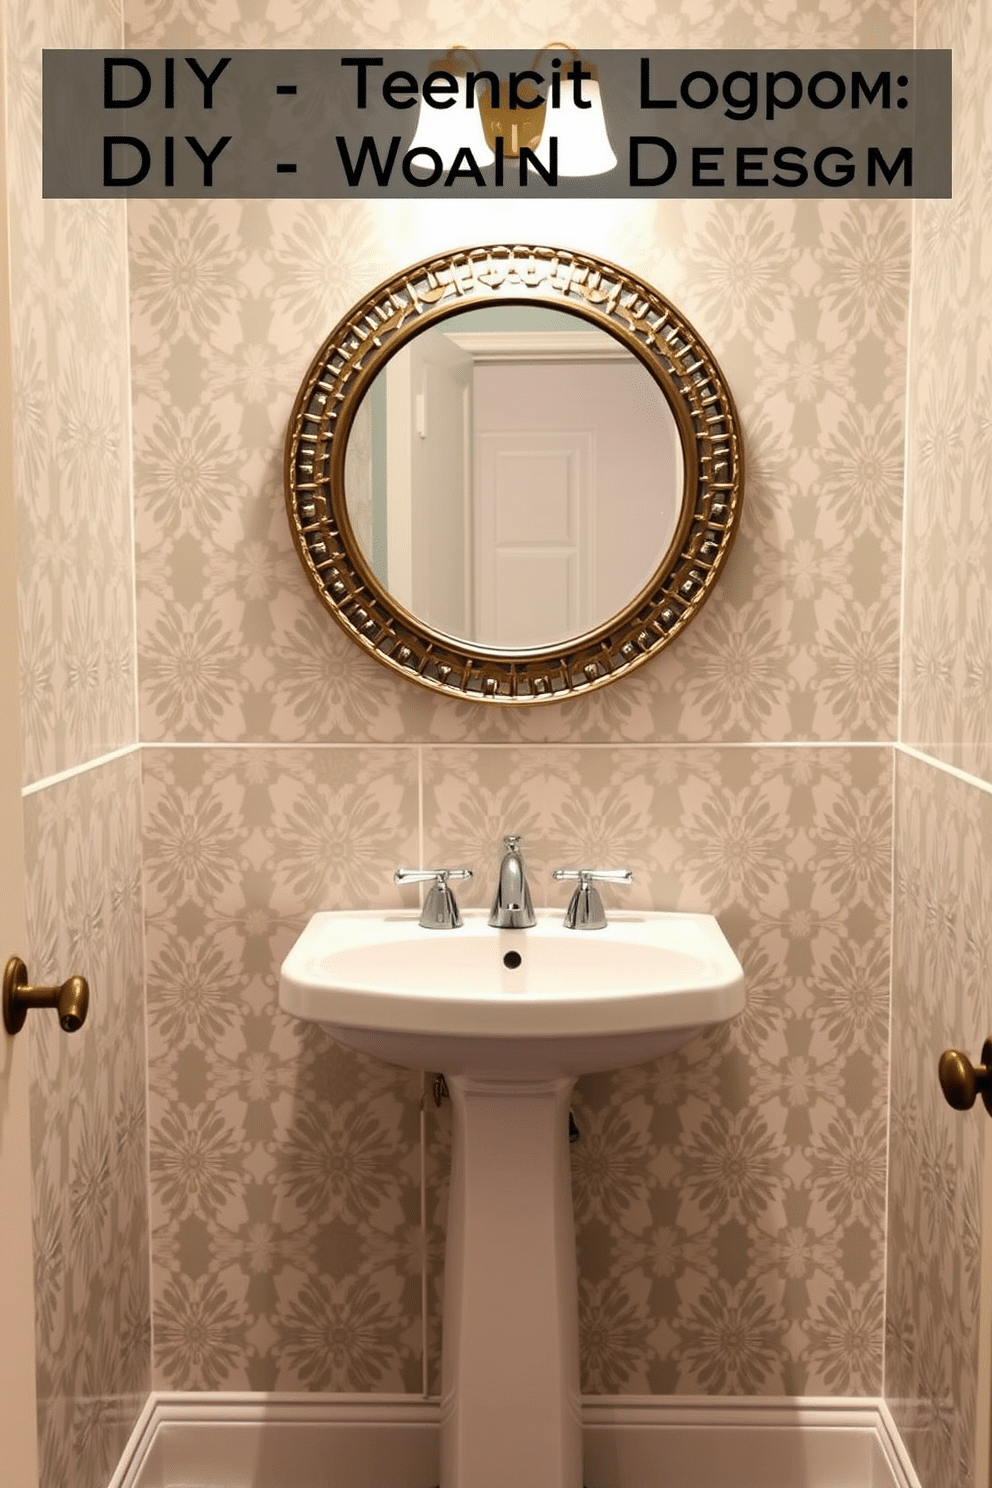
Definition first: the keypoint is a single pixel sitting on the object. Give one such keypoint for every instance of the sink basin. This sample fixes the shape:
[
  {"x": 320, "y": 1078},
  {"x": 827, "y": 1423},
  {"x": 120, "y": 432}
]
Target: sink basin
[
  {"x": 511, "y": 1017},
  {"x": 544, "y": 1000}
]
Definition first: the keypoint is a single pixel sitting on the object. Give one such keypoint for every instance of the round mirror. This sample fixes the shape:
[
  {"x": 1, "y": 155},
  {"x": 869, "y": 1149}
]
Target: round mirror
[{"x": 513, "y": 473}]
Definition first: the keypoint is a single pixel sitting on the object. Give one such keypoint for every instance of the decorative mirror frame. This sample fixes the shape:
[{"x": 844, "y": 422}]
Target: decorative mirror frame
[{"x": 449, "y": 284}]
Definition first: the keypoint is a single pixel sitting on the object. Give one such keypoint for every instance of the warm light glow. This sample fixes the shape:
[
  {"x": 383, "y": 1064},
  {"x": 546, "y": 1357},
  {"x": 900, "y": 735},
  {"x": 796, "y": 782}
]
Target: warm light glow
[
  {"x": 584, "y": 147},
  {"x": 446, "y": 131}
]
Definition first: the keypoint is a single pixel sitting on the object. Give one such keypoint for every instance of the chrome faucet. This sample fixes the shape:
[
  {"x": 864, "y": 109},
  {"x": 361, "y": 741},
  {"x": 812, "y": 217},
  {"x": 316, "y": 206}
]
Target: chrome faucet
[
  {"x": 440, "y": 912},
  {"x": 585, "y": 910},
  {"x": 512, "y": 908}
]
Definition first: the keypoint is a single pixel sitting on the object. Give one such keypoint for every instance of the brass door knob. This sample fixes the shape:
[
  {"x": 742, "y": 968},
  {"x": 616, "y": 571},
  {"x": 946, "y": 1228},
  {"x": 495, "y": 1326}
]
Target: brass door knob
[
  {"x": 72, "y": 999},
  {"x": 961, "y": 1081}
]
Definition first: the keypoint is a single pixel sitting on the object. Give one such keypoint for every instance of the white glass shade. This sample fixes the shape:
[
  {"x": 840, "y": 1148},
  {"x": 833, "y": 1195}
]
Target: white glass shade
[
  {"x": 584, "y": 147},
  {"x": 449, "y": 130}
]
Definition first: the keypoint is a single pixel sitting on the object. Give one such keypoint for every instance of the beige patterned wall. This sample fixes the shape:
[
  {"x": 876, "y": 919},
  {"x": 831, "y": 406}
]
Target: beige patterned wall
[
  {"x": 88, "y": 1126},
  {"x": 77, "y": 636},
  {"x": 947, "y": 660},
  {"x": 730, "y": 1201},
  {"x": 942, "y": 932},
  {"x": 71, "y": 428},
  {"x": 942, "y": 973}
]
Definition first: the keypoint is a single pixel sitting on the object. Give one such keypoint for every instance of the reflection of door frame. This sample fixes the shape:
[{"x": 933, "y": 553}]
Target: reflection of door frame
[
  {"x": 540, "y": 346},
  {"x": 18, "y": 1419},
  {"x": 411, "y": 416}
]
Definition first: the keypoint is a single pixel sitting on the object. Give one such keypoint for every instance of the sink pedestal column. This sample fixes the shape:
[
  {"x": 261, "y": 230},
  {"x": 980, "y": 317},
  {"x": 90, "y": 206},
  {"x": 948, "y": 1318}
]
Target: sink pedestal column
[{"x": 510, "y": 1406}]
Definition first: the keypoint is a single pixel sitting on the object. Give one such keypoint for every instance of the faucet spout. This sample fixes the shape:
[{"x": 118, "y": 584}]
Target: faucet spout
[{"x": 512, "y": 908}]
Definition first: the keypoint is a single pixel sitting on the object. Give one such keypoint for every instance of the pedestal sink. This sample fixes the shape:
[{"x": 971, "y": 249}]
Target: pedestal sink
[{"x": 511, "y": 1017}]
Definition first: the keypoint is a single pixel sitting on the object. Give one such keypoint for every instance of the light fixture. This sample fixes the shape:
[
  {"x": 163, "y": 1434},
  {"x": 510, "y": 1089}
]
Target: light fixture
[
  {"x": 450, "y": 129},
  {"x": 577, "y": 123},
  {"x": 512, "y": 116}
]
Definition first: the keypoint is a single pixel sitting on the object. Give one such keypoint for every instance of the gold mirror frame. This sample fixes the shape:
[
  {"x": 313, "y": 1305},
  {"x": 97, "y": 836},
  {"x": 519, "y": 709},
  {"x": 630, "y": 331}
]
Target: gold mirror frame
[{"x": 448, "y": 284}]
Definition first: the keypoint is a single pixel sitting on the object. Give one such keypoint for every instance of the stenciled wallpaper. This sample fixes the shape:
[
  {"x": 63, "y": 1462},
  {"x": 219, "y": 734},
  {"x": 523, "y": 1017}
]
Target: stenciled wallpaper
[
  {"x": 942, "y": 927},
  {"x": 730, "y": 1201},
  {"x": 88, "y": 1123},
  {"x": 72, "y": 464},
  {"x": 942, "y": 973}
]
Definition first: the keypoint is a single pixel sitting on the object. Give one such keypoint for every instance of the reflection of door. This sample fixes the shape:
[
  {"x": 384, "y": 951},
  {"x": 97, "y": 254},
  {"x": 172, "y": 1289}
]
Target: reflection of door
[
  {"x": 534, "y": 536},
  {"x": 583, "y": 456},
  {"x": 18, "y": 1431}
]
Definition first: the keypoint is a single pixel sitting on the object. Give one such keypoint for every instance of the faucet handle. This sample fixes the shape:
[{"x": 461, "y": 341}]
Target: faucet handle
[
  {"x": 440, "y": 912},
  {"x": 585, "y": 909}
]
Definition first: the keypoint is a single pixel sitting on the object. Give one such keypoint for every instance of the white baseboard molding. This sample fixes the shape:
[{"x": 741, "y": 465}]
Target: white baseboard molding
[{"x": 391, "y": 1441}]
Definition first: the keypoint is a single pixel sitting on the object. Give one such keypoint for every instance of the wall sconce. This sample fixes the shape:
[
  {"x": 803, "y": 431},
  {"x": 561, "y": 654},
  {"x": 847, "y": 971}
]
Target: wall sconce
[
  {"x": 584, "y": 147},
  {"x": 446, "y": 129},
  {"x": 515, "y": 113}
]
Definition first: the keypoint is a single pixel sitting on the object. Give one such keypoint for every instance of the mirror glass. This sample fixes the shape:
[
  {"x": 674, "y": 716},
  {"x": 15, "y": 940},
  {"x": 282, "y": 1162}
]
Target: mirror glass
[{"x": 513, "y": 475}]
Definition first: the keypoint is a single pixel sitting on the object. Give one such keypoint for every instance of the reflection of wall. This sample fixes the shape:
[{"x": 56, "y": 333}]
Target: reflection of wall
[
  {"x": 943, "y": 925},
  {"x": 76, "y": 569},
  {"x": 437, "y": 452},
  {"x": 732, "y": 1241}
]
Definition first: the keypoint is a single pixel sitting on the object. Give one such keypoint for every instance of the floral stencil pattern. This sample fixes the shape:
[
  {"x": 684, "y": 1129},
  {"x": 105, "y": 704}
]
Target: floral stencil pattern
[
  {"x": 68, "y": 266},
  {"x": 72, "y": 481},
  {"x": 946, "y": 667},
  {"x": 88, "y": 1129},
  {"x": 942, "y": 930},
  {"x": 803, "y": 642},
  {"x": 284, "y": 1170},
  {"x": 729, "y": 1199},
  {"x": 943, "y": 847}
]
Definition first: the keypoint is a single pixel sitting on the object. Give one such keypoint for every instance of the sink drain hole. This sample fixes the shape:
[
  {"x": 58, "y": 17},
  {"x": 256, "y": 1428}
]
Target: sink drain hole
[{"x": 512, "y": 959}]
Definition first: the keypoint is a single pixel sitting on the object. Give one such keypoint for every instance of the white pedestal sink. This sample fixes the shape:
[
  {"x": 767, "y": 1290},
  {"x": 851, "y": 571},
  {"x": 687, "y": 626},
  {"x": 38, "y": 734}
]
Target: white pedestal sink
[{"x": 511, "y": 1017}]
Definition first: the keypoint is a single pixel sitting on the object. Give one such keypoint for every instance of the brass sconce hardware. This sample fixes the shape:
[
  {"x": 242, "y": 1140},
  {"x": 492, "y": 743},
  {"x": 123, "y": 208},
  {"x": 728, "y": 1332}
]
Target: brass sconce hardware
[
  {"x": 439, "y": 1089},
  {"x": 72, "y": 999},
  {"x": 509, "y": 115},
  {"x": 961, "y": 1081}
]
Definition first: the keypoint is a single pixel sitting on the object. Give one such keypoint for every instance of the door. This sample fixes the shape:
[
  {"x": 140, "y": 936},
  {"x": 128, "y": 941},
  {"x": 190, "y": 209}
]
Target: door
[{"x": 18, "y": 1431}]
